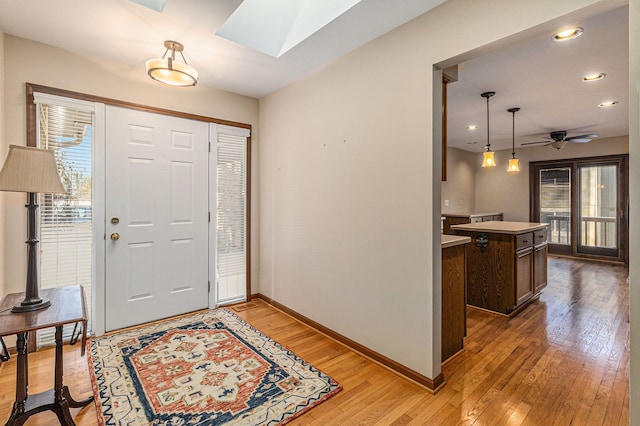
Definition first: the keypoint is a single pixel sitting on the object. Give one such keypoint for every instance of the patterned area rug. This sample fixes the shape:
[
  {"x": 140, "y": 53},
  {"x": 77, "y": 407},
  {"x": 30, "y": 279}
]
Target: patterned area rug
[{"x": 206, "y": 369}]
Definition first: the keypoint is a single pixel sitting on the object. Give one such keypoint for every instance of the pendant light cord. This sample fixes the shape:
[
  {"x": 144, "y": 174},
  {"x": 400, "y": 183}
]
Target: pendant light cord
[
  {"x": 488, "y": 141},
  {"x": 488, "y": 95},
  {"x": 513, "y": 129},
  {"x": 513, "y": 134}
]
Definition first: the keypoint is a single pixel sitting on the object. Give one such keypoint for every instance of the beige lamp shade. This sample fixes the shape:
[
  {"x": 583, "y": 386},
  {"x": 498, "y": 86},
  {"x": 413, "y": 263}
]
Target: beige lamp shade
[{"x": 29, "y": 169}]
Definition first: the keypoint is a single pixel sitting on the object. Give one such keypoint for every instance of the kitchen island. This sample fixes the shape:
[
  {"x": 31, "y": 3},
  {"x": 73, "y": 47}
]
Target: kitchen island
[{"x": 506, "y": 264}]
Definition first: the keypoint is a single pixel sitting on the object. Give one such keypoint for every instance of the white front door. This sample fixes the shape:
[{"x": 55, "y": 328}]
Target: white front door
[{"x": 156, "y": 217}]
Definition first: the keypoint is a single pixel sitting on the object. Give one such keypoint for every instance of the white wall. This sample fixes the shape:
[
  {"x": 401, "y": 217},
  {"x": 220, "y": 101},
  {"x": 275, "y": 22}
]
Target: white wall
[
  {"x": 3, "y": 154},
  {"x": 497, "y": 190},
  {"x": 634, "y": 209},
  {"x": 41, "y": 64},
  {"x": 349, "y": 226},
  {"x": 459, "y": 188}
]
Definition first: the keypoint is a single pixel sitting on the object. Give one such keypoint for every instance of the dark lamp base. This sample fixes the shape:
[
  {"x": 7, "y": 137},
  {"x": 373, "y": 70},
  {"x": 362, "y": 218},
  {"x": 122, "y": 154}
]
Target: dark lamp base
[{"x": 28, "y": 305}]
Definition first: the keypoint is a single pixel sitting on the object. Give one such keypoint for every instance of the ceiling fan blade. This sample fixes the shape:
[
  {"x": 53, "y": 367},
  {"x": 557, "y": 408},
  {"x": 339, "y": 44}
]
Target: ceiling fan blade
[
  {"x": 156, "y": 5},
  {"x": 581, "y": 138},
  {"x": 535, "y": 143}
]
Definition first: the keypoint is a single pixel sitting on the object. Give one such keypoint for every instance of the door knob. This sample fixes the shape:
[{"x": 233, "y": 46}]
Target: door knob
[{"x": 115, "y": 236}]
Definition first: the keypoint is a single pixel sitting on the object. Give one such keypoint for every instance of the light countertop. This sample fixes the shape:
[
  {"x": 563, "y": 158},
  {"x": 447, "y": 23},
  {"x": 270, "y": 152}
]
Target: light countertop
[
  {"x": 471, "y": 214},
  {"x": 501, "y": 227},
  {"x": 454, "y": 240}
]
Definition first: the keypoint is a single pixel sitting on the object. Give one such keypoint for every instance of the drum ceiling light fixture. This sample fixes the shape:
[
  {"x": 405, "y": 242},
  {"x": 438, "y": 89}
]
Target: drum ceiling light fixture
[{"x": 169, "y": 71}]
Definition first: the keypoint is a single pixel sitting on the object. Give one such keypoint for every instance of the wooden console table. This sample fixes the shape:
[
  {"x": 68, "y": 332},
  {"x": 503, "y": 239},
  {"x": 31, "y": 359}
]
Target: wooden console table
[{"x": 67, "y": 307}]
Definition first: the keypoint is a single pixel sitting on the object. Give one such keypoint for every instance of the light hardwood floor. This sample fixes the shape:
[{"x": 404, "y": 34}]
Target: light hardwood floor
[{"x": 563, "y": 360}]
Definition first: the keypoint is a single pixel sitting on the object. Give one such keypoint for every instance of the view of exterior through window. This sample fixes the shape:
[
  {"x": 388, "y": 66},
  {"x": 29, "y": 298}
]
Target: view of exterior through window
[
  {"x": 598, "y": 211},
  {"x": 65, "y": 219},
  {"x": 555, "y": 203},
  {"x": 580, "y": 200}
]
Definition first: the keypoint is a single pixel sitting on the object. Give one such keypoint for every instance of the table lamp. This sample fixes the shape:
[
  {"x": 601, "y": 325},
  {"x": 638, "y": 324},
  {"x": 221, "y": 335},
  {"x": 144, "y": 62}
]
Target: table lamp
[{"x": 31, "y": 170}]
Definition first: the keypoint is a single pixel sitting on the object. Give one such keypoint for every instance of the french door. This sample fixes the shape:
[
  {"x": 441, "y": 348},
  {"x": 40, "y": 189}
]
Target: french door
[{"x": 585, "y": 203}]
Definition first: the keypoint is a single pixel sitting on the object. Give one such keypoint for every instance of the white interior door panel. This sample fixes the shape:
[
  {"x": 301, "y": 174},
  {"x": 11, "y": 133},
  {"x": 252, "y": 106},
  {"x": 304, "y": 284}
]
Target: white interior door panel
[{"x": 157, "y": 217}]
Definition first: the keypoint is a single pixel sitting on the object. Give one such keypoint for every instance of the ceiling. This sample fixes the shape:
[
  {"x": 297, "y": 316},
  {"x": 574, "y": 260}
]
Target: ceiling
[
  {"x": 544, "y": 79},
  {"x": 127, "y": 33}
]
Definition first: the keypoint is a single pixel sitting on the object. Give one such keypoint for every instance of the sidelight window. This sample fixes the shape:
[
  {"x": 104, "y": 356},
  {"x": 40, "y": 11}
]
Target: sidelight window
[{"x": 65, "y": 226}]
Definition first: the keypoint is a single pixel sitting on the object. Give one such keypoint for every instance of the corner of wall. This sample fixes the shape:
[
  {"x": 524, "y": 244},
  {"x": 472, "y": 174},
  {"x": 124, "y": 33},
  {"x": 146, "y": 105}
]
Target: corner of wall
[
  {"x": 634, "y": 208},
  {"x": 3, "y": 149}
]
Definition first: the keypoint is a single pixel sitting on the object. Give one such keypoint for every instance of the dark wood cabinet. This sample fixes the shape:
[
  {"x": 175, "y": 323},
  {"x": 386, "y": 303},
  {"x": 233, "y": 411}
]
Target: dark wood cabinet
[
  {"x": 454, "y": 317},
  {"x": 505, "y": 269},
  {"x": 462, "y": 218},
  {"x": 524, "y": 275},
  {"x": 540, "y": 250}
]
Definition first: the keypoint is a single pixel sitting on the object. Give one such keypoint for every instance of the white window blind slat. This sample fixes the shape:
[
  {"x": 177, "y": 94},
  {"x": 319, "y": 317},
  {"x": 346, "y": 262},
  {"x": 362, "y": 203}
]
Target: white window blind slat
[{"x": 231, "y": 213}]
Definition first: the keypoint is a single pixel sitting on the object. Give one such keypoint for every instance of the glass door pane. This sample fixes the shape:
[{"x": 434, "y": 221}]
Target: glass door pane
[
  {"x": 555, "y": 203},
  {"x": 598, "y": 223}
]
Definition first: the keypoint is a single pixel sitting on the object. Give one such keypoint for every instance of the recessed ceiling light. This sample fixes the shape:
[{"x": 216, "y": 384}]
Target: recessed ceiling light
[
  {"x": 607, "y": 104},
  {"x": 472, "y": 143},
  {"x": 594, "y": 77},
  {"x": 472, "y": 127},
  {"x": 568, "y": 34}
]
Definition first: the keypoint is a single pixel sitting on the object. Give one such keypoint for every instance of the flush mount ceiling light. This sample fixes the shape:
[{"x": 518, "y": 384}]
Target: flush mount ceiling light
[
  {"x": 607, "y": 104},
  {"x": 472, "y": 127},
  {"x": 594, "y": 77},
  {"x": 169, "y": 71},
  {"x": 568, "y": 34},
  {"x": 488, "y": 158},
  {"x": 514, "y": 163},
  {"x": 276, "y": 26}
]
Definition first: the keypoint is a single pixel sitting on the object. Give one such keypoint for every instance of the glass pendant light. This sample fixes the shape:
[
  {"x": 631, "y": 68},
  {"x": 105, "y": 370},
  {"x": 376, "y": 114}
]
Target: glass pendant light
[
  {"x": 488, "y": 159},
  {"x": 514, "y": 163}
]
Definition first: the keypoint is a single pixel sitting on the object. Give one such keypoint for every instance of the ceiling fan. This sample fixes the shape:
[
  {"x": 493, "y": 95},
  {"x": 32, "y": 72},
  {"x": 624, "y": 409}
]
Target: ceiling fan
[{"x": 559, "y": 139}]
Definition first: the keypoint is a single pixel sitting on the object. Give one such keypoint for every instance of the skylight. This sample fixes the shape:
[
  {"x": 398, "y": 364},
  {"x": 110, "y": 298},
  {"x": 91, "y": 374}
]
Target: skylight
[
  {"x": 157, "y": 5},
  {"x": 276, "y": 26}
]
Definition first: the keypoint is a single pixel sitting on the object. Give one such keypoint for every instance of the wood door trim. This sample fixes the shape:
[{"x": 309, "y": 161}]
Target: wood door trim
[
  {"x": 622, "y": 161},
  {"x": 30, "y": 106},
  {"x": 32, "y": 88}
]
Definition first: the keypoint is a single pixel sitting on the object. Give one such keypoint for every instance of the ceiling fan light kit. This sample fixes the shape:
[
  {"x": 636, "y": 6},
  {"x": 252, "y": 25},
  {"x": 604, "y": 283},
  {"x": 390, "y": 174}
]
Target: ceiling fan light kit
[
  {"x": 169, "y": 71},
  {"x": 514, "y": 163},
  {"x": 488, "y": 158}
]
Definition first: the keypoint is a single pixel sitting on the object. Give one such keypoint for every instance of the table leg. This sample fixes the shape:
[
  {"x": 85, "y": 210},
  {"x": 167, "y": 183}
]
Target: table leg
[
  {"x": 72, "y": 402},
  {"x": 22, "y": 376},
  {"x": 62, "y": 394},
  {"x": 59, "y": 366}
]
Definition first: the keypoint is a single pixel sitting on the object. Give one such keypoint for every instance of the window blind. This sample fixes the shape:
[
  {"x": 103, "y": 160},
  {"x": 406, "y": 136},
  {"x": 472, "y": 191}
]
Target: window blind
[
  {"x": 231, "y": 216},
  {"x": 66, "y": 219}
]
